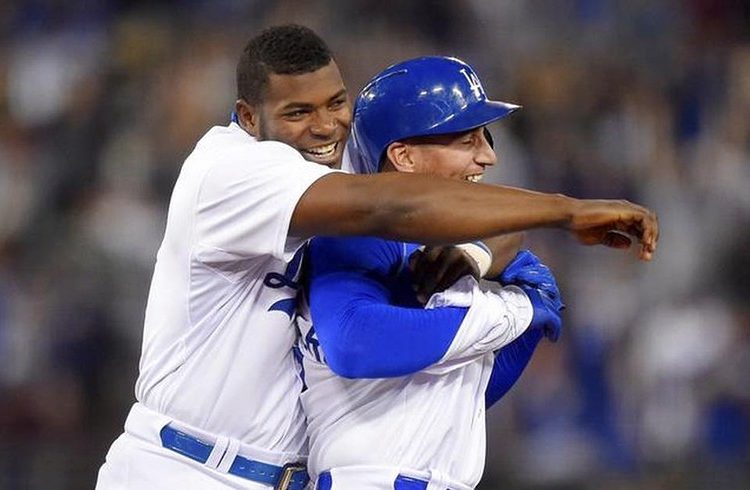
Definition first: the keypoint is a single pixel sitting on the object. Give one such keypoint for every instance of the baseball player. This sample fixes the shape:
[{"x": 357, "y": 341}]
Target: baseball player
[
  {"x": 422, "y": 424},
  {"x": 218, "y": 389}
]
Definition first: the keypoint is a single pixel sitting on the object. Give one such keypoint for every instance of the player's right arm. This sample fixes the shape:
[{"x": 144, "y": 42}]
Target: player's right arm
[{"x": 434, "y": 210}]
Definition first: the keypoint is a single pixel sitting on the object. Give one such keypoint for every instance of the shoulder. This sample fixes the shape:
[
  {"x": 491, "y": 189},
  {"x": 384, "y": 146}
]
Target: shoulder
[
  {"x": 233, "y": 160},
  {"x": 358, "y": 254},
  {"x": 228, "y": 144}
]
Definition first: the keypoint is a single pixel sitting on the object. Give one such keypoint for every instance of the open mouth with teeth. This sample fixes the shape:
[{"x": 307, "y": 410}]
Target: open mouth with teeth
[
  {"x": 474, "y": 178},
  {"x": 322, "y": 153}
]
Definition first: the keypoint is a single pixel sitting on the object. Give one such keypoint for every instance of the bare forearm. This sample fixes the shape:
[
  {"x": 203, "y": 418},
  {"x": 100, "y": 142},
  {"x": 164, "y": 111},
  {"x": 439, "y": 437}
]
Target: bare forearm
[
  {"x": 504, "y": 248},
  {"x": 435, "y": 211},
  {"x": 426, "y": 209},
  {"x": 449, "y": 215}
]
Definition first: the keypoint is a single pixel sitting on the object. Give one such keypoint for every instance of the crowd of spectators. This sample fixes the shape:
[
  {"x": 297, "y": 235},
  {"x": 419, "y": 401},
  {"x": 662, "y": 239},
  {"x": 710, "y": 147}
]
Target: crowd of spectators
[{"x": 647, "y": 100}]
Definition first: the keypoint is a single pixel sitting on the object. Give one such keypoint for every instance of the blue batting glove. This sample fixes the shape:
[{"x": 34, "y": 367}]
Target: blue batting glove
[
  {"x": 546, "y": 313},
  {"x": 522, "y": 259},
  {"x": 527, "y": 270}
]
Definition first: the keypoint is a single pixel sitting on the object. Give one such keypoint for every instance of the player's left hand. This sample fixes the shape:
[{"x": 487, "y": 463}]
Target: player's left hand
[
  {"x": 546, "y": 313},
  {"x": 526, "y": 269},
  {"x": 435, "y": 269}
]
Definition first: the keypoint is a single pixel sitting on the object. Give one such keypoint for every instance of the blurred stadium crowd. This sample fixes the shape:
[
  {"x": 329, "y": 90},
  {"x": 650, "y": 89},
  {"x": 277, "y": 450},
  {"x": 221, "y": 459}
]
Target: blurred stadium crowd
[{"x": 100, "y": 101}]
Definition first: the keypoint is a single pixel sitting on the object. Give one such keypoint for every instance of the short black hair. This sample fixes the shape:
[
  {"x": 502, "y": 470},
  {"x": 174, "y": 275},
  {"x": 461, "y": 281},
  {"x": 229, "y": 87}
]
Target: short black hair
[{"x": 288, "y": 49}]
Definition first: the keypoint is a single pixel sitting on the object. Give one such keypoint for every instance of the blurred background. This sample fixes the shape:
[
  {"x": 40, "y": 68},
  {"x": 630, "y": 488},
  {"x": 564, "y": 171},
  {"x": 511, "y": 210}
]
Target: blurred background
[{"x": 648, "y": 100}]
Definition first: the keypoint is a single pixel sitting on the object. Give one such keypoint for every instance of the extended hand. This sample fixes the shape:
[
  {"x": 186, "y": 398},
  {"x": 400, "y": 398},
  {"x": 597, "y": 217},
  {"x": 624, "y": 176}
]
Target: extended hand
[{"x": 612, "y": 223}]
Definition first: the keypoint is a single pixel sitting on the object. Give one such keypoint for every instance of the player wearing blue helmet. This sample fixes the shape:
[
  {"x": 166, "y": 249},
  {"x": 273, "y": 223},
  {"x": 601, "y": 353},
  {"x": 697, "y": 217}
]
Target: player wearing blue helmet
[
  {"x": 426, "y": 96},
  {"x": 411, "y": 413}
]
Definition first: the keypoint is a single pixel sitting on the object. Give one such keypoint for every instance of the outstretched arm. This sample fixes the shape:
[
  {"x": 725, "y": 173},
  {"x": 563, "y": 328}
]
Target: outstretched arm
[{"x": 434, "y": 210}]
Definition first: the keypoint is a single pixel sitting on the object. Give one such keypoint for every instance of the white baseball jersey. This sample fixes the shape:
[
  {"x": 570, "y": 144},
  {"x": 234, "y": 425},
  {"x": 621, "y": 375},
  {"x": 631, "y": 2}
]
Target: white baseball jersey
[
  {"x": 218, "y": 335},
  {"x": 429, "y": 425},
  {"x": 350, "y": 155}
]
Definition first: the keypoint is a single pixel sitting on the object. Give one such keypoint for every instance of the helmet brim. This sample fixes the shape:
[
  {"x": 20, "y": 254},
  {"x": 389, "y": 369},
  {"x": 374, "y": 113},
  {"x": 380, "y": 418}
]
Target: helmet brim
[{"x": 481, "y": 114}]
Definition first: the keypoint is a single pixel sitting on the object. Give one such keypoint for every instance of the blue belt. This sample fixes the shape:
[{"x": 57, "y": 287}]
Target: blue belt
[
  {"x": 325, "y": 482},
  {"x": 287, "y": 477}
]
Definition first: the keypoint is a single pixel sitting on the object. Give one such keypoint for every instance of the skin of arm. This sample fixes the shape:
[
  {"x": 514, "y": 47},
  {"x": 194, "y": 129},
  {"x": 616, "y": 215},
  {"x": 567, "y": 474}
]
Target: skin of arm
[
  {"x": 435, "y": 211},
  {"x": 504, "y": 249}
]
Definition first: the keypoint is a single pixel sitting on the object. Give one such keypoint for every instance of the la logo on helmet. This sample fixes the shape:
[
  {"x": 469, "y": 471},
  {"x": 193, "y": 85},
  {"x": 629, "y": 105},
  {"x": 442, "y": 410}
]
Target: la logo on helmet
[{"x": 474, "y": 83}]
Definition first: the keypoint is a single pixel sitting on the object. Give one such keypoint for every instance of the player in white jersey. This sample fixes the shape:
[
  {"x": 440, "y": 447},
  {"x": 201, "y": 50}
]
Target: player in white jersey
[
  {"x": 415, "y": 418},
  {"x": 218, "y": 390}
]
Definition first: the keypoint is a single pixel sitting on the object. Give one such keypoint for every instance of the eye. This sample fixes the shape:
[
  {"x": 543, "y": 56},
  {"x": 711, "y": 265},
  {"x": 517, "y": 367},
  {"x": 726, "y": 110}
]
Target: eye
[
  {"x": 337, "y": 104},
  {"x": 296, "y": 114}
]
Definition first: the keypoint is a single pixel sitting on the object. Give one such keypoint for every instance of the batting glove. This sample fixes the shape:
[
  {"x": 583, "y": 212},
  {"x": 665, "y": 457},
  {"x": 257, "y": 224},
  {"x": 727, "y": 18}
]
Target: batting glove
[
  {"x": 527, "y": 270},
  {"x": 546, "y": 313}
]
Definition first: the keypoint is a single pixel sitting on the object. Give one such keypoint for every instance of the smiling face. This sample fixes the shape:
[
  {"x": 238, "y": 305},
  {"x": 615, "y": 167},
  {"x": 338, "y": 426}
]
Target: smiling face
[
  {"x": 462, "y": 156},
  {"x": 310, "y": 112}
]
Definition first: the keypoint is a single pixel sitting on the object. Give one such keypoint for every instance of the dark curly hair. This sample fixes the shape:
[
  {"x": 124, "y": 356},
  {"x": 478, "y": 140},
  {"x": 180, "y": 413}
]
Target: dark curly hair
[{"x": 285, "y": 50}]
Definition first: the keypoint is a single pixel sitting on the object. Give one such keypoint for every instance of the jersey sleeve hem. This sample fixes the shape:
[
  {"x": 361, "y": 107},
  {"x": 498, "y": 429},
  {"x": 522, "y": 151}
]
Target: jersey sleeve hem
[{"x": 285, "y": 246}]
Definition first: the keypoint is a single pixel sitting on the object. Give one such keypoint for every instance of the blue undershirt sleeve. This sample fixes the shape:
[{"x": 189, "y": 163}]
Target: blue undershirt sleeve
[
  {"x": 362, "y": 333},
  {"x": 510, "y": 361}
]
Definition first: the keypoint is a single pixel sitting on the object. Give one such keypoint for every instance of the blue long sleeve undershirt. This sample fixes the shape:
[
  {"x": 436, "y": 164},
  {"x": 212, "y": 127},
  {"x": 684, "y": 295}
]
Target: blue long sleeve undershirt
[
  {"x": 510, "y": 361},
  {"x": 364, "y": 336},
  {"x": 368, "y": 321}
]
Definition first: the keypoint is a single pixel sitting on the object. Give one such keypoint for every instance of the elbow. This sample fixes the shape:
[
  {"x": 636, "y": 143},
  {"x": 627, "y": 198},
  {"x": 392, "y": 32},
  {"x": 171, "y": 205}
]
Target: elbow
[
  {"x": 351, "y": 361},
  {"x": 342, "y": 354},
  {"x": 347, "y": 364},
  {"x": 382, "y": 213},
  {"x": 387, "y": 221},
  {"x": 357, "y": 365}
]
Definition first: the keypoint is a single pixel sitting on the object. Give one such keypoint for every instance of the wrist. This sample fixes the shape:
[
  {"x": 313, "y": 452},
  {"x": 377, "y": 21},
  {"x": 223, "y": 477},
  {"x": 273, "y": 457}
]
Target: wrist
[
  {"x": 569, "y": 208},
  {"x": 480, "y": 253}
]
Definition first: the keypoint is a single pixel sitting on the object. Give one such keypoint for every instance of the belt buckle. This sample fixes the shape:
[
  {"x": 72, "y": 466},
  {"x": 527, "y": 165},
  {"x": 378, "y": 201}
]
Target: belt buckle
[{"x": 287, "y": 473}]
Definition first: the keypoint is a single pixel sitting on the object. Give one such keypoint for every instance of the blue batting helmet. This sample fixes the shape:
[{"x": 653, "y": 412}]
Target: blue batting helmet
[{"x": 424, "y": 96}]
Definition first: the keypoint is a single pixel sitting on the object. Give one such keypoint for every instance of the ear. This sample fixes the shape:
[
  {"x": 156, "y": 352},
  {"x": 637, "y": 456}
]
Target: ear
[
  {"x": 400, "y": 156},
  {"x": 248, "y": 116}
]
